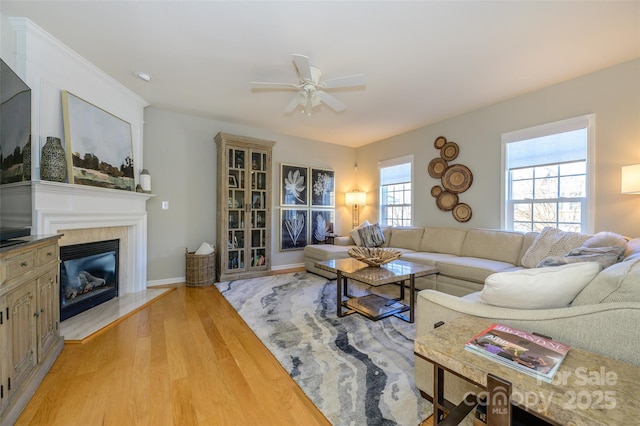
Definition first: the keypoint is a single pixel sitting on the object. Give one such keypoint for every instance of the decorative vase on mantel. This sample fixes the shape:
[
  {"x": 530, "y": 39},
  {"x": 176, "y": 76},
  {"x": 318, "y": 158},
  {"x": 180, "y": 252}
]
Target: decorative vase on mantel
[{"x": 53, "y": 162}]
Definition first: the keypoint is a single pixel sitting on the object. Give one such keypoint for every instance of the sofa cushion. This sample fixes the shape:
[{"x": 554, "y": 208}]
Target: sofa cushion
[
  {"x": 540, "y": 288},
  {"x": 443, "y": 240},
  {"x": 552, "y": 242},
  {"x": 355, "y": 235},
  {"x": 406, "y": 237},
  {"x": 472, "y": 269},
  {"x": 326, "y": 252},
  {"x": 503, "y": 246},
  {"x": 617, "y": 283},
  {"x": 371, "y": 236},
  {"x": 431, "y": 259}
]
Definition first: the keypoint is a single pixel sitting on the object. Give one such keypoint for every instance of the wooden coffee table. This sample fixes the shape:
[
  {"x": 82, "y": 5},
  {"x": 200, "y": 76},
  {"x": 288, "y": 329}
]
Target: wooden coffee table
[{"x": 374, "y": 306}]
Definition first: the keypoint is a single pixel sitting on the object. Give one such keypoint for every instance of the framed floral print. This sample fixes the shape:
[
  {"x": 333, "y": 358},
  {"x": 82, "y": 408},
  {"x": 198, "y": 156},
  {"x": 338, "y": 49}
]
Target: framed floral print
[
  {"x": 294, "y": 182},
  {"x": 293, "y": 229},
  {"x": 321, "y": 224},
  {"x": 323, "y": 193}
]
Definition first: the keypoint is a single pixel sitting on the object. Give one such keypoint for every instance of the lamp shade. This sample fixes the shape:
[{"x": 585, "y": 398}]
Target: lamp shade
[
  {"x": 631, "y": 179},
  {"x": 355, "y": 198}
]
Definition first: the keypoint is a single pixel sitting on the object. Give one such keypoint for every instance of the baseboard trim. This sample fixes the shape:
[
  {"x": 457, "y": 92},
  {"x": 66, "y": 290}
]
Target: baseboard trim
[
  {"x": 166, "y": 281},
  {"x": 291, "y": 266},
  {"x": 182, "y": 280}
]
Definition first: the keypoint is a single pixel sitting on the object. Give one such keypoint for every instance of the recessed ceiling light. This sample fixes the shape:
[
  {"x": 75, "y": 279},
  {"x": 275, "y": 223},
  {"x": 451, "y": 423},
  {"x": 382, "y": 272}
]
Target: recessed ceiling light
[{"x": 143, "y": 76}]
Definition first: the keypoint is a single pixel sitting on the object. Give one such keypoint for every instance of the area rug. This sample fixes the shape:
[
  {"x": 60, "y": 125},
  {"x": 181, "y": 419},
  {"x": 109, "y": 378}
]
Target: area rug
[{"x": 356, "y": 371}]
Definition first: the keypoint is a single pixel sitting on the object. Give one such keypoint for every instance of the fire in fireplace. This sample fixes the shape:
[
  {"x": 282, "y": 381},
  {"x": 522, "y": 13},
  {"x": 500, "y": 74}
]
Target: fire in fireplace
[{"x": 88, "y": 276}]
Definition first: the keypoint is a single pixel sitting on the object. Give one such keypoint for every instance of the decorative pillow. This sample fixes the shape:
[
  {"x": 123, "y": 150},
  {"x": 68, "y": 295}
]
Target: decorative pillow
[
  {"x": 540, "y": 288},
  {"x": 605, "y": 256},
  {"x": 354, "y": 232},
  {"x": 606, "y": 239},
  {"x": 371, "y": 236},
  {"x": 551, "y": 242},
  {"x": 633, "y": 247}
]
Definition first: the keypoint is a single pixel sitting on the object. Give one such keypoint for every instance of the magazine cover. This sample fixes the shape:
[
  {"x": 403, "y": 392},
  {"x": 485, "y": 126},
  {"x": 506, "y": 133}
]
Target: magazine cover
[{"x": 531, "y": 354}]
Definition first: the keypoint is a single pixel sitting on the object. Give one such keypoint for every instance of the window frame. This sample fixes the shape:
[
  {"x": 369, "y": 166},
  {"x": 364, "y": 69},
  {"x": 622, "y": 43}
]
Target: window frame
[
  {"x": 582, "y": 122},
  {"x": 406, "y": 159}
]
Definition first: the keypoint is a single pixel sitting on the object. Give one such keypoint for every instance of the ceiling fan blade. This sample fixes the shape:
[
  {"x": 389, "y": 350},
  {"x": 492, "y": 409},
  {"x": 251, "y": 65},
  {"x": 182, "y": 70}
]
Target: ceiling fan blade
[
  {"x": 349, "y": 81},
  {"x": 267, "y": 85},
  {"x": 303, "y": 68},
  {"x": 299, "y": 99},
  {"x": 335, "y": 104}
]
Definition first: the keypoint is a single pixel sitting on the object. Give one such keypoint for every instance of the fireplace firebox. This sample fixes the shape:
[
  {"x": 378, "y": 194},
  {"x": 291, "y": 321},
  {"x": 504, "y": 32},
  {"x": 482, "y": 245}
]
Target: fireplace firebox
[{"x": 88, "y": 276}]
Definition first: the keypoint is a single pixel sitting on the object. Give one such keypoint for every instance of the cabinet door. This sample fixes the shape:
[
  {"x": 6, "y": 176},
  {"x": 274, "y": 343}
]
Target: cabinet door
[
  {"x": 4, "y": 354},
  {"x": 259, "y": 210},
  {"x": 237, "y": 209},
  {"x": 48, "y": 306},
  {"x": 22, "y": 357}
]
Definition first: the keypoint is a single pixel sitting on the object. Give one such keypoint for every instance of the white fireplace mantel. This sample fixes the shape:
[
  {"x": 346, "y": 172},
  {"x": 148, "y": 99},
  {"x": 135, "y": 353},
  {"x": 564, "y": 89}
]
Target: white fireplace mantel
[{"x": 61, "y": 206}]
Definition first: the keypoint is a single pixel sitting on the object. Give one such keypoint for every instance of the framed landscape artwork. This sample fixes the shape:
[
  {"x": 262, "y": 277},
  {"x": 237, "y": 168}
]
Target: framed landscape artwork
[
  {"x": 322, "y": 188},
  {"x": 321, "y": 225},
  {"x": 294, "y": 182},
  {"x": 99, "y": 145},
  {"x": 293, "y": 229}
]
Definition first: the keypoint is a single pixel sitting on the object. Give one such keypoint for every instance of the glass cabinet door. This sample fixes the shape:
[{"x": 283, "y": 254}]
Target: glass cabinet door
[
  {"x": 258, "y": 249},
  {"x": 236, "y": 253}
]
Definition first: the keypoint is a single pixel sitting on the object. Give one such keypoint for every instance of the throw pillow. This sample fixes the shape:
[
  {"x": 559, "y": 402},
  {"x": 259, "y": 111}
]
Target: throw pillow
[
  {"x": 371, "y": 236},
  {"x": 540, "y": 288},
  {"x": 551, "y": 242},
  {"x": 633, "y": 247},
  {"x": 606, "y": 239},
  {"x": 354, "y": 232}
]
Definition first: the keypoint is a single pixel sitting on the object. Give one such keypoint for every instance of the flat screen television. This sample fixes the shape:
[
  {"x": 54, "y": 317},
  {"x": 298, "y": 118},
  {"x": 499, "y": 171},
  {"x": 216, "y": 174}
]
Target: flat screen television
[{"x": 15, "y": 155}]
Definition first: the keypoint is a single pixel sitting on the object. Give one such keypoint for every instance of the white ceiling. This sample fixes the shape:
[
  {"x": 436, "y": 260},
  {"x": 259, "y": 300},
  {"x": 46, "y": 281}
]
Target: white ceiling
[{"x": 424, "y": 61}]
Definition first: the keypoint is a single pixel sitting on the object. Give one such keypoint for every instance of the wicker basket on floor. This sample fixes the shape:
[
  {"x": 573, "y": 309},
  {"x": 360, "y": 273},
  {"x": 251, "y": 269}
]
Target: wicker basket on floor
[{"x": 201, "y": 269}]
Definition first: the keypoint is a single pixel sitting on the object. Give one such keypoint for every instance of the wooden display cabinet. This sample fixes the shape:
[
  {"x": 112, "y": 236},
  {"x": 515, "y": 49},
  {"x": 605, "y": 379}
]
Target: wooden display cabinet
[{"x": 243, "y": 207}]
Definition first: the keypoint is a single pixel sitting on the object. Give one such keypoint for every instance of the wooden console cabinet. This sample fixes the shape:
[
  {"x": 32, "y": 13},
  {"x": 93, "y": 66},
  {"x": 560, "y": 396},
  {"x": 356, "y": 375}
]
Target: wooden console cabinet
[{"x": 29, "y": 320}]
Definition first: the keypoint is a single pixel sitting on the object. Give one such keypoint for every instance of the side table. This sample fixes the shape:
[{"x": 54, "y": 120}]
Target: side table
[{"x": 588, "y": 388}]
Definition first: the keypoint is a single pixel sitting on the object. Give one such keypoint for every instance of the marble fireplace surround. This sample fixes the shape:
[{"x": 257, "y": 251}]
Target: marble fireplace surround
[{"x": 86, "y": 214}]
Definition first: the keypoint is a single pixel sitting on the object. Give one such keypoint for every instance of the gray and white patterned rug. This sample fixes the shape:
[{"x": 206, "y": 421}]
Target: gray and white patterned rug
[{"x": 354, "y": 370}]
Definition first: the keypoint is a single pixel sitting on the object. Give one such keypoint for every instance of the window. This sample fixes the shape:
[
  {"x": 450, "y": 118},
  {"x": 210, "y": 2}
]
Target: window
[
  {"x": 395, "y": 191},
  {"x": 548, "y": 176}
]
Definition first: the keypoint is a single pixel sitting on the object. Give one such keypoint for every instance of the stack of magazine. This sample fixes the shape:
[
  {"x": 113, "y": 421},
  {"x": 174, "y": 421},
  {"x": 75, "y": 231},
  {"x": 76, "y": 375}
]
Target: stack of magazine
[{"x": 531, "y": 354}]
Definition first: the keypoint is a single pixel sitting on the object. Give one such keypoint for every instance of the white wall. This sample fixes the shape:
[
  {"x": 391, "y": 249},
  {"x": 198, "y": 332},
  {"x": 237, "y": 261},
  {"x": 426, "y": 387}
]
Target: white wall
[
  {"x": 48, "y": 67},
  {"x": 612, "y": 94},
  {"x": 181, "y": 156}
]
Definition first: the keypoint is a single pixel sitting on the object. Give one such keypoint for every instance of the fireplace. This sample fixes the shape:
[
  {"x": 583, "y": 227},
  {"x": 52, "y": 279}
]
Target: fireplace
[{"x": 88, "y": 275}]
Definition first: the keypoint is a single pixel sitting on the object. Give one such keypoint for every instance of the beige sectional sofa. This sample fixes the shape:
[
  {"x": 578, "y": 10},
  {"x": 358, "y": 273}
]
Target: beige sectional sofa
[
  {"x": 603, "y": 318},
  {"x": 466, "y": 257}
]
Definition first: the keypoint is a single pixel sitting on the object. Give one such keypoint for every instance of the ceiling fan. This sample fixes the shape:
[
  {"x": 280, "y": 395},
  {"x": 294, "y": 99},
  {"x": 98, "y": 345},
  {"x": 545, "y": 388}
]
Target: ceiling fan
[{"x": 311, "y": 90}]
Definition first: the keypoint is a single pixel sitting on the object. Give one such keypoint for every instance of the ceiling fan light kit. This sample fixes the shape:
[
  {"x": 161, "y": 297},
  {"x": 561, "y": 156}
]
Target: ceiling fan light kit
[{"x": 311, "y": 90}]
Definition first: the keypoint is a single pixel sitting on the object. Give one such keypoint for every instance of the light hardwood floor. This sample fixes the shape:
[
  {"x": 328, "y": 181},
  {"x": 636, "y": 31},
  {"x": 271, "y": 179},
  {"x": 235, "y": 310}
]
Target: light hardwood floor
[{"x": 186, "y": 359}]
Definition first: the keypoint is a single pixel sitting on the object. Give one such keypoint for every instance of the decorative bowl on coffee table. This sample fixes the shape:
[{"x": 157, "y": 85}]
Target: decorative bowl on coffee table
[{"x": 374, "y": 256}]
